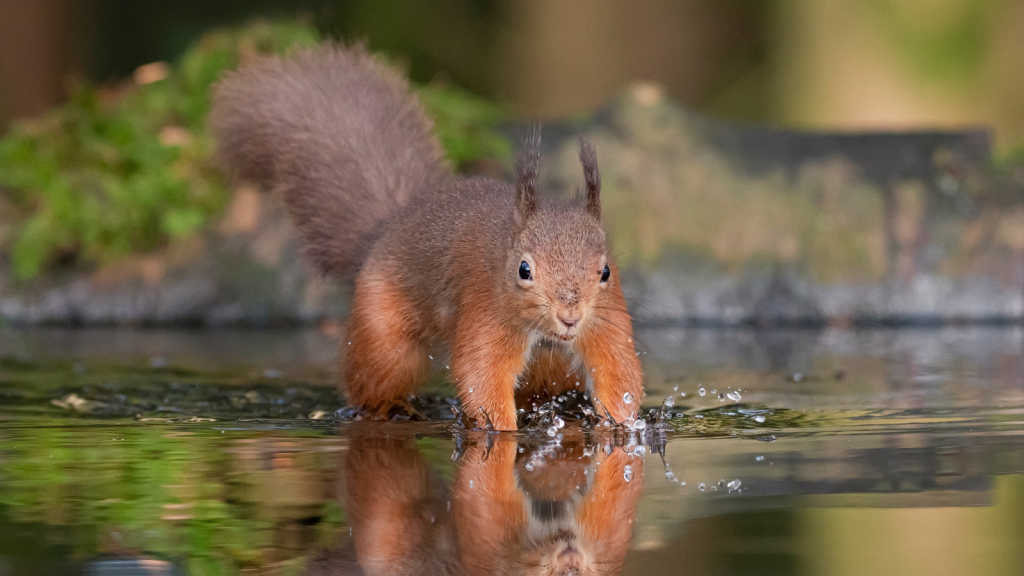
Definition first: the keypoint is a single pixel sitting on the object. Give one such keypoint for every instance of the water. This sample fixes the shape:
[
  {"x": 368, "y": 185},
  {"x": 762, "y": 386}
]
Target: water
[{"x": 221, "y": 452}]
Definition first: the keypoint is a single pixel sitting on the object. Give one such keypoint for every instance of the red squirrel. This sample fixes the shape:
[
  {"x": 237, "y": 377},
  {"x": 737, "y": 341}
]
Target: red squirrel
[{"x": 521, "y": 291}]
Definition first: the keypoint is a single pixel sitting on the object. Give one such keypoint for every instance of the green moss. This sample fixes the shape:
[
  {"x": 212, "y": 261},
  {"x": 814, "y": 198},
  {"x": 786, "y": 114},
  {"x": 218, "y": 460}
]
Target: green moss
[
  {"x": 129, "y": 168},
  {"x": 465, "y": 123}
]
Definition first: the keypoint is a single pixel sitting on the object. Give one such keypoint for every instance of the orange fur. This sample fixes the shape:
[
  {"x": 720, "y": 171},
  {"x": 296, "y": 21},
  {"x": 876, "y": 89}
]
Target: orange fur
[
  {"x": 550, "y": 373},
  {"x": 611, "y": 360},
  {"x": 379, "y": 375},
  {"x": 487, "y": 358}
]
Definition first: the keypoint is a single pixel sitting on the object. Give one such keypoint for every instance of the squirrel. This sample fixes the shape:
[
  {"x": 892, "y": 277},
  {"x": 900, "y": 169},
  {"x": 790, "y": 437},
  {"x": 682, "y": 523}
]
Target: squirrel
[{"x": 522, "y": 292}]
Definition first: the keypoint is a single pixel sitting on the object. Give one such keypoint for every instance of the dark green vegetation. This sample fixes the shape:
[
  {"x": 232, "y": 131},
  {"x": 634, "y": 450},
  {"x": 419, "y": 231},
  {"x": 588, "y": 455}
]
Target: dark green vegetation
[{"x": 129, "y": 168}]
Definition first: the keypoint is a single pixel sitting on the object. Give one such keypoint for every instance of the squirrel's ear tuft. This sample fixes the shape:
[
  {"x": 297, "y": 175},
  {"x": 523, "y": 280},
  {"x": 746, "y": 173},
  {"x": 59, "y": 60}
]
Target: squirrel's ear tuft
[
  {"x": 588, "y": 157},
  {"x": 527, "y": 170}
]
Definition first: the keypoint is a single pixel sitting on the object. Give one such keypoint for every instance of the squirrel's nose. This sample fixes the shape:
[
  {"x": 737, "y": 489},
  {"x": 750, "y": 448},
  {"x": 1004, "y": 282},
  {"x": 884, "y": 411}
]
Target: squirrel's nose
[{"x": 569, "y": 319}]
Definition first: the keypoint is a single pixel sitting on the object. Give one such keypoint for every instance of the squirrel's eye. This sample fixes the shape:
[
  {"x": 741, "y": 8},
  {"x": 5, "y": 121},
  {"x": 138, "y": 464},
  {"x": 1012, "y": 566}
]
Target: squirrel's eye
[
  {"x": 524, "y": 271},
  {"x": 606, "y": 273}
]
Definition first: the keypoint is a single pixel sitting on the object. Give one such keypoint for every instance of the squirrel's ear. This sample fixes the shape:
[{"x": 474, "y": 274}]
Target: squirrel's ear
[
  {"x": 588, "y": 157},
  {"x": 527, "y": 169}
]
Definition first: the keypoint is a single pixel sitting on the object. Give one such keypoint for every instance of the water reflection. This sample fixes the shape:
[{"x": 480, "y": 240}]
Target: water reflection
[
  {"x": 511, "y": 507},
  {"x": 894, "y": 452}
]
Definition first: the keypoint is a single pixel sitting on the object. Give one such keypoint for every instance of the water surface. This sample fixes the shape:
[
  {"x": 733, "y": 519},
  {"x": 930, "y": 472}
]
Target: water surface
[{"x": 220, "y": 452}]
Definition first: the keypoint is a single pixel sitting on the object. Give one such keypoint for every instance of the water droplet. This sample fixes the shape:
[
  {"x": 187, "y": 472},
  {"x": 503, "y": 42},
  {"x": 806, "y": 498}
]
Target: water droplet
[
  {"x": 627, "y": 398},
  {"x": 701, "y": 487},
  {"x": 669, "y": 402},
  {"x": 447, "y": 367},
  {"x": 470, "y": 390},
  {"x": 798, "y": 377},
  {"x": 552, "y": 431},
  {"x": 675, "y": 388},
  {"x": 471, "y": 484},
  {"x": 734, "y": 485},
  {"x": 627, "y": 473},
  {"x": 758, "y": 458},
  {"x": 701, "y": 391},
  {"x": 428, "y": 355},
  {"x": 670, "y": 476},
  {"x": 558, "y": 422},
  {"x": 759, "y": 418},
  {"x": 734, "y": 396},
  {"x": 640, "y": 424},
  {"x": 721, "y": 397},
  {"x": 349, "y": 342},
  {"x": 529, "y": 466}
]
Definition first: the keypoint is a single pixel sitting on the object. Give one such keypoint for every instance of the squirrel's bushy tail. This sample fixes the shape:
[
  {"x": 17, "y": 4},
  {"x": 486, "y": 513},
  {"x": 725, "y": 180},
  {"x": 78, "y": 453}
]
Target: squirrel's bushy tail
[{"x": 338, "y": 135}]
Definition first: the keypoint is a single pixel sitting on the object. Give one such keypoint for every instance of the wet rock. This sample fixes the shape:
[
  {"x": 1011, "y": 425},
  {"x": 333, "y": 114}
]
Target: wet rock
[
  {"x": 720, "y": 223},
  {"x": 246, "y": 270}
]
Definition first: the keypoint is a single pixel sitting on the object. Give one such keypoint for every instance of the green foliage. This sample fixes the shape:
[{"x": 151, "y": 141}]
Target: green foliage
[
  {"x": 465, "y": 123},
  {"x": 126, "y": 169},
  {"x": 121, "y": 170},
  {"x": 949, "y": 47}
]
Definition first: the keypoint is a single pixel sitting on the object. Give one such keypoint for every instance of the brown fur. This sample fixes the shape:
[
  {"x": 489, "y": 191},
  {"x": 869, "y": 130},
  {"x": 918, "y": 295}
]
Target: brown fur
[{"x": 436, "y": 256}]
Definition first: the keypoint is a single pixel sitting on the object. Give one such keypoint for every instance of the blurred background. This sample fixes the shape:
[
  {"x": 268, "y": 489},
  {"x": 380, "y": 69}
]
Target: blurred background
[
  {"x": 851, "y": 64},
  {"x": 734, "y": 196},
  {"x": 736, "y": 190}
]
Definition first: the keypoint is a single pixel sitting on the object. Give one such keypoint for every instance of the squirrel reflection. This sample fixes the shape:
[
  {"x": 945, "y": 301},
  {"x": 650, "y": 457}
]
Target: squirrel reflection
[{"x": 558, "y": 508}]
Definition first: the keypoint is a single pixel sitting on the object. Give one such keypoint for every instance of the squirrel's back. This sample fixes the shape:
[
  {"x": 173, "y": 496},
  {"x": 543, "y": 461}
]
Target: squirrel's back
[{"x": 338, "y": 135}]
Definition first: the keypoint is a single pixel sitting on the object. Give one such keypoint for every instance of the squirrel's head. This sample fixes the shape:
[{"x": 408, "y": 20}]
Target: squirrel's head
[{"x": 559, "y": 266}]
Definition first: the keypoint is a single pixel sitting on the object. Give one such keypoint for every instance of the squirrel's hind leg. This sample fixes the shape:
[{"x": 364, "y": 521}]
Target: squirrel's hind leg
[
  {"x": 383, "y": 358},
  {"x": 551, "y": 372}
]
